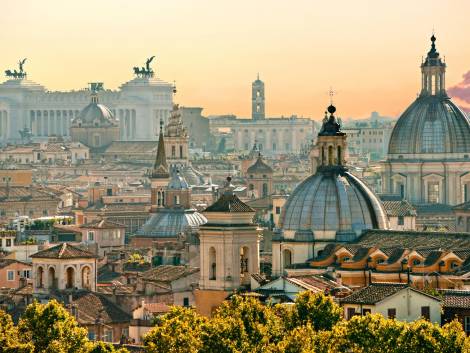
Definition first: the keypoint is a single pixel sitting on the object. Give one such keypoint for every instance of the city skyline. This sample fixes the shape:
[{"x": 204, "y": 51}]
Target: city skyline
[{"x": 299, "y": 51}]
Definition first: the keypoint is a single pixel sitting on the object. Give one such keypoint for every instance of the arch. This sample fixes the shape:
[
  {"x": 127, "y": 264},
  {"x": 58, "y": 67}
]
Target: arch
[
  {"x": 51, "y": 280},
  {"x": 330, "y": 155},
  {"x": 212, "y": 264},
  {"x": 287, "y": 257},
  {"x": 40, "y": 277},
  {"x": 181, "y": 151},
  {"x": 339, "y": 156},
  {"x": 70, "y": 277},
  {"x": 86, "y": 277},
  {"x": 323, "y": 161},
  {"x": 244, "y": 259}
]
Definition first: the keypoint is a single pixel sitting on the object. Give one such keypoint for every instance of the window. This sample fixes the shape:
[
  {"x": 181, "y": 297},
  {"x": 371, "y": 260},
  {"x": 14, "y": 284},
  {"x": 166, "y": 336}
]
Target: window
[
  {"x": 401, "y": 220},
  {"x": 108, "y": 336},
  {"x": 392, "y": 313},
  {"x": 181, "y": 151},
  {"x": 185, "y": 301},
  {"x": 1, "y": 243},
  {"x": 11, "y": 275},
  {"x": 45, "y": 212},
  {"x": 26, "y": 273},
  {"x": 366, "y": 311},
  {"x": 91, "y": 236},
  {"x": 278, "y": 210},
  {"x": 91, "y": 335},
  {"x": 426, "y": 312},
  {"x": 173, "y": 151},
  {"x": 416, "y": 262},
  {"x": 433, "y": 137},
  {"x": 351, "y": 312},
  {"x": 467, "y": 324},
  {"x": 433, "y": 192},
  {"x": 8, "y": 243}
]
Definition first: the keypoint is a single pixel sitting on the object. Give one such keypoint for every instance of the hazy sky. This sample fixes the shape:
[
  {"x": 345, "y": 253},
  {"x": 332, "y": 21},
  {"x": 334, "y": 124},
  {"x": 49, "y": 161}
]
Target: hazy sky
[{"x": 369, "y": 51}]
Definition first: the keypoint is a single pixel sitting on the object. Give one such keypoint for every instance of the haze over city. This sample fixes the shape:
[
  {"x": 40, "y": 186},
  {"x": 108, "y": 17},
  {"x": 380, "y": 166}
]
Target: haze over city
[{"x": 368, "y": 51}]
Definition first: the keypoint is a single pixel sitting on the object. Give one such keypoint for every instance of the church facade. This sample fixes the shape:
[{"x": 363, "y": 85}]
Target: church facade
[{"x": 138, "y": 104}]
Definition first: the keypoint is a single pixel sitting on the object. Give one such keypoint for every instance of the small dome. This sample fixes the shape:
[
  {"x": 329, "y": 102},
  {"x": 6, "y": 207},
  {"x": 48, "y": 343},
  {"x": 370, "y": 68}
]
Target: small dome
[
  {"x": 333, "y": 201},
  {"x": 178, "y": 182},
  {"x": 259, "y": 167},
  {"x": 95, "y": 114},
  {"x": 168, "y": 223},
  {"x": 432, "y": 124}
]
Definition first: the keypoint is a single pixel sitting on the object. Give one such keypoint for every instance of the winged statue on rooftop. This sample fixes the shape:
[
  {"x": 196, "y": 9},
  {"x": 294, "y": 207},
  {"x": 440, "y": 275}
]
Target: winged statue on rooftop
[{"x": 146, "y": 71}]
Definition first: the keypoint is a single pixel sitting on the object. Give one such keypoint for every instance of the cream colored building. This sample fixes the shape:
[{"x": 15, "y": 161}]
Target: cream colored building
[
  {"x": 428, "y": 157},
  {"x": 229, "y": 250},
  {"x": 393, "y": 300},
  {"x": 63, "y": 267}
]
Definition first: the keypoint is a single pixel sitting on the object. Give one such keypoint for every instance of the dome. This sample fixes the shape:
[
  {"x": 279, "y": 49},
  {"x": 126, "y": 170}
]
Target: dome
[
  {"x": 259, "y": 167},
  {"x": 168, "y": 223},
  {"x": 95, "y": 114},
  {"x": 432, "y": 124},
  {"x": 336, "y": 202}
]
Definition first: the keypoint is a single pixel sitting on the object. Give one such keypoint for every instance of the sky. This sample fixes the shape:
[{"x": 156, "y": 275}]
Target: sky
[{"x": 369, "y": 52}]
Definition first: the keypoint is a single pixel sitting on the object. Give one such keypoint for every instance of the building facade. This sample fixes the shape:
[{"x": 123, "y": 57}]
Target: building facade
[{"x": 138, "y": 104}]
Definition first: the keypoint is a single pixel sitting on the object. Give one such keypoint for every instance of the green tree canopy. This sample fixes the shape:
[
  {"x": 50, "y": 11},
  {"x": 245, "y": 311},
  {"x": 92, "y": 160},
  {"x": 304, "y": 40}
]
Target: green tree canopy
[{"x": 51, "y": 328}]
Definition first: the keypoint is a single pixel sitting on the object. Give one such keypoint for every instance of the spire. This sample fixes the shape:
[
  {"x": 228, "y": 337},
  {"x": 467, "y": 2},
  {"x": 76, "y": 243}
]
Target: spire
[{"x": 160, "y": 168}]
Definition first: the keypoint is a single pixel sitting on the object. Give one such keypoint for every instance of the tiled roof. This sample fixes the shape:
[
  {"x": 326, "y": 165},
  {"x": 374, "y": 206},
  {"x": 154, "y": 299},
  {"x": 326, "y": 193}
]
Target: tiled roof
[
  {"x": 156, "y": 308},
  {"x": 7, "y": 262},
  {"x": 102, "y": 224},
  {"x": 168, "y": 273},
  {"x": 374, "y": 293},
  {"x": 453, "y": 298},
  {"x": 435, "y": 208},
  {"x": 399, "y": 208},
  {"x": 229, "y": 203},
  {"x": 63, "y": 251},
  {"x": 25, "y": 193},
  {"x": 92, "y": 305},
  {"x": 414, "y": 240},
  {"x": 132, "y": 147}
]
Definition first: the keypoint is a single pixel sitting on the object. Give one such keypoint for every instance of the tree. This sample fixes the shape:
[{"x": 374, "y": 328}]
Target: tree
[
  {"x": 101, "y": 347},
  {"x": 315, "y": 308},
  {"x": 50, "y": 328},
  {"x": 9, "y": 341},
  {"x": 179, "y": 331}
]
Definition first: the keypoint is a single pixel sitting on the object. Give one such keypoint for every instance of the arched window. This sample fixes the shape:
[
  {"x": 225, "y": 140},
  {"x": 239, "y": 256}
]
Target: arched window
[
  {"x": 330, "y": 155},
  {"x": 70, "y": 273},
  {"x": 287, "y": 257},
  {"x": 40, "y": 277},
  {"x": 212, "y": 264},
  {"x": 159, "y": 198},
  {"x": 173, "y": 151},
  {"x": 51, "y": 280},
  {"x": 177, "y": 199},
  {"x": 340, "y": 160},
  {"x": 244, "y": 255},
  {"x": 181, "y": 151},
  {"x": 163, "y": 198},
  {"x": 323, "y": 155},
  {"x": 86, "y": 275}
]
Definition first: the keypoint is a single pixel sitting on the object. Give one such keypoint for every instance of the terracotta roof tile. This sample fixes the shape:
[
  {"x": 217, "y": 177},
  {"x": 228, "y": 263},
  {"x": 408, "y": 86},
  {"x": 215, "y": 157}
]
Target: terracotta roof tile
[
  {"x": 63, "y": 251},
  {"x": 229, "y": 203}
]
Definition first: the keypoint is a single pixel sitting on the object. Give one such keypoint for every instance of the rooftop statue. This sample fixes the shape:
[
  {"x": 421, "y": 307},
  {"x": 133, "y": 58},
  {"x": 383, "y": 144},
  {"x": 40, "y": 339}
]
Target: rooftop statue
[
  {"x": 17, "y": 74},
  {"x": 146, "y": 71}
]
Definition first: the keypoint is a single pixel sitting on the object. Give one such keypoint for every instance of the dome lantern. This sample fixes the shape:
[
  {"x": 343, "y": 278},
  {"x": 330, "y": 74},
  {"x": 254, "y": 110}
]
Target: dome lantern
[{"x": 433, "y": 71}]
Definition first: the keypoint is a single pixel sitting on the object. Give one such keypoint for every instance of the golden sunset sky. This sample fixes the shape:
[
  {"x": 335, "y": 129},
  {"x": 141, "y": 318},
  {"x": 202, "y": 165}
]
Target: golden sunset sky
[{"x": 368, "y": 51}]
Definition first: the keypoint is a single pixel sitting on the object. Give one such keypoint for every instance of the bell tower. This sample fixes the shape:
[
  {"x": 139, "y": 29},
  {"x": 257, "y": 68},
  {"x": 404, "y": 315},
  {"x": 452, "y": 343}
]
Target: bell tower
[
  {"x": 257, "y": 99},
  {"x": 433, "y": 72},
  {"x": 331, "y": 147}
]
